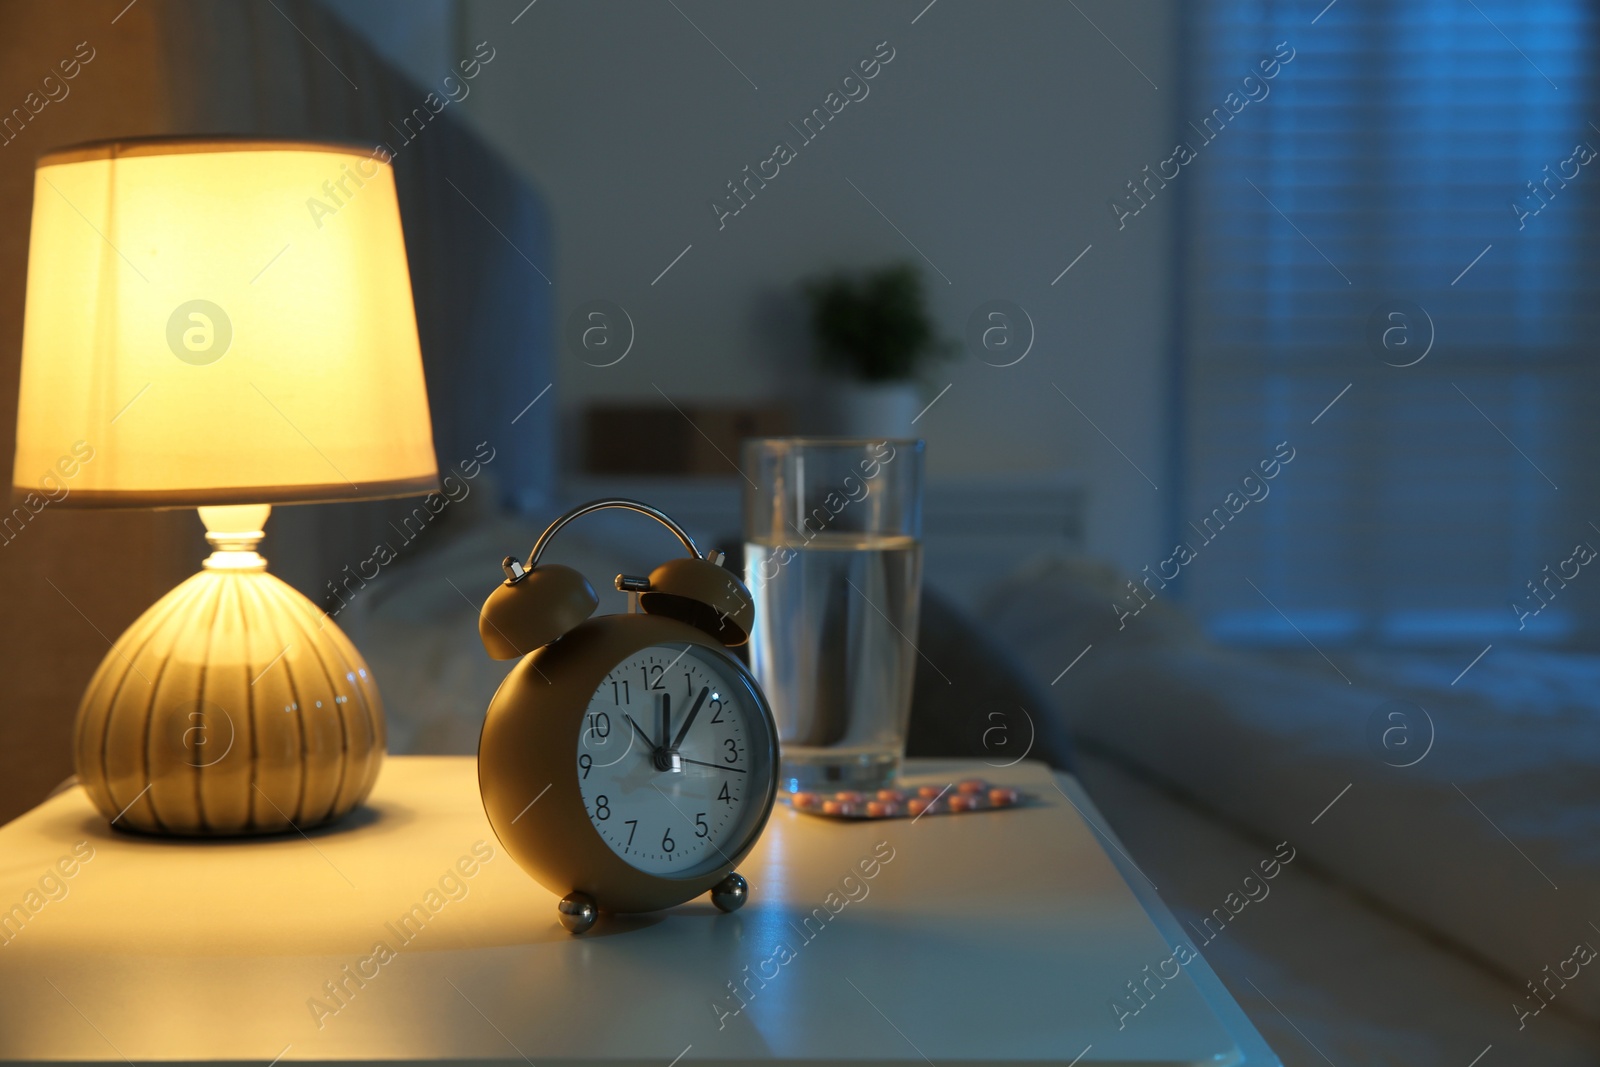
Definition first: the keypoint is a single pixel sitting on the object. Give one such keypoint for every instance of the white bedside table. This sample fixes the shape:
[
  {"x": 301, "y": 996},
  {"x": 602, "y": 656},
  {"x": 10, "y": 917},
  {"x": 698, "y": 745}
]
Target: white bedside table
[{"x": 998, "y": 937}]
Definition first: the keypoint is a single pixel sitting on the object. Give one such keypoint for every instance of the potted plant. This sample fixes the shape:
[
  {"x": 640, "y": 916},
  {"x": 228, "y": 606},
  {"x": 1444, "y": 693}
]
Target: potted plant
[{"x": 873, "y": 334}]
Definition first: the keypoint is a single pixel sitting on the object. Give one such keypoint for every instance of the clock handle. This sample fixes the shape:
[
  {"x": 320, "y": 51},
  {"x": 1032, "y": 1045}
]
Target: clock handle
[{"x": 601, "y": 505}]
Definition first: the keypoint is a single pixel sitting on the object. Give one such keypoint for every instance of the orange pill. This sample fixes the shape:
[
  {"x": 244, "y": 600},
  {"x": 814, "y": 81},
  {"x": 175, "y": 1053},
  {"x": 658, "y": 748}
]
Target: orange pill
[
  {"x": 848, "y": 796},
  {"x": 1002, "y": 797},
  {"x": 891, "y": 794},
  {"x": 928, "y": 792},
  {"x": 877, "y": 809},
  {"x": 805, "y": 800},
  {"x": 916, "y": 806},
  {"x": 972, "y": 785}
]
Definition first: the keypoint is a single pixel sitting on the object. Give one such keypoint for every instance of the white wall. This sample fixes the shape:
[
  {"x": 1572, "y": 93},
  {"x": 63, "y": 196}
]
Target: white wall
[{"x": 992, "y": 140}]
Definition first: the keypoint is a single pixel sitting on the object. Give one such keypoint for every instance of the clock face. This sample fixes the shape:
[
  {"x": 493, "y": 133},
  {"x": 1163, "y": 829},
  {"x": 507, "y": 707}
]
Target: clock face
[{"x": 674, "y": 759}]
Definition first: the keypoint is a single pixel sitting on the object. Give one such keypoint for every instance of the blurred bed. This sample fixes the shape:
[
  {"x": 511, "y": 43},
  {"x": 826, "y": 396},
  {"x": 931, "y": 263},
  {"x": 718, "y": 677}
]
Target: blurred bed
[
  {"x": 418, "y": 628},
  {"x": 1448, "y": 857}
]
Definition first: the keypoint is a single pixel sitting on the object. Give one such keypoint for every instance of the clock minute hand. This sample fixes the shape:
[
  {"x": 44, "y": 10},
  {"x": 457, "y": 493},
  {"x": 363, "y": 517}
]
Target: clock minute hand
[{"x": 689, "y": 719}]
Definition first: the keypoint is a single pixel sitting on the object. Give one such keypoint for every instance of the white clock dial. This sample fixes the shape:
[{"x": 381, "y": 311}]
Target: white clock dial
[{"x": 675, "y": 760}]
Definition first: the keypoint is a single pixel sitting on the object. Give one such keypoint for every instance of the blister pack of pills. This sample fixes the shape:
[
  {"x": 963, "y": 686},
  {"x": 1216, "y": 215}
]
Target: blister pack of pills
[{"x": 969, "y": 794}]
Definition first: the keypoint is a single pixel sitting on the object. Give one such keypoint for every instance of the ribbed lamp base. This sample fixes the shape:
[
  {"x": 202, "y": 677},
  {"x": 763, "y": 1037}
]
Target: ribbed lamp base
[{"x": 232, "y": 706}]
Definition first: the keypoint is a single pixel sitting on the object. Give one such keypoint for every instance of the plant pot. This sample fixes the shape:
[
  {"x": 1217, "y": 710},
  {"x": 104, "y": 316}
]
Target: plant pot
[{"x": 872, "y": 409}]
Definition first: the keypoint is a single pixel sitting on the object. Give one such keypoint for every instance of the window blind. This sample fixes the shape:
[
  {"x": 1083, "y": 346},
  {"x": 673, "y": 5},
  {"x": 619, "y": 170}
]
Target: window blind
[{"x": 1380, "y": 172}]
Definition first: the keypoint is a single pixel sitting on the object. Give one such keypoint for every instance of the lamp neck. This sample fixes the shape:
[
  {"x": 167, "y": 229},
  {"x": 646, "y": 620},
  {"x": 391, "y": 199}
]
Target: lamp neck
[{"x": 233, "y": 532}]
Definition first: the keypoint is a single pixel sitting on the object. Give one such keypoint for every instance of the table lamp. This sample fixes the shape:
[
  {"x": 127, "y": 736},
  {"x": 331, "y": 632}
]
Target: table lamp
[{"x": 222, "y": 324}]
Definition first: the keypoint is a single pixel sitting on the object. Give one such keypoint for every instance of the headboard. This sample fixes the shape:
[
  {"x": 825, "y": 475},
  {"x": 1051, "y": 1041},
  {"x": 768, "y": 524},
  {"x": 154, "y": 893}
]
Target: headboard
[{"x": 477, "y": 238}]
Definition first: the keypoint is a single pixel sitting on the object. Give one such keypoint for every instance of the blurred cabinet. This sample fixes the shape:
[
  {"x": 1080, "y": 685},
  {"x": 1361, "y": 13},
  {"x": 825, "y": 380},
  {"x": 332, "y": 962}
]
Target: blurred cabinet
[{"x": 662, "y": 441}]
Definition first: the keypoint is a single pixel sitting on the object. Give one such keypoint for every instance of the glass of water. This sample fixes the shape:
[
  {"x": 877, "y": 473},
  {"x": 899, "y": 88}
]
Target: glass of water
[{"x": 833, "y": 556}]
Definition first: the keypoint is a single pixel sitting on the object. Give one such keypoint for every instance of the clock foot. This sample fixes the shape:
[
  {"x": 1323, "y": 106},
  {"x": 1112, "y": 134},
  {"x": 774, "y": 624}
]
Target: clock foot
[
  {"x": 578, "y": 912},
  {"x": 731, "y": 893}
]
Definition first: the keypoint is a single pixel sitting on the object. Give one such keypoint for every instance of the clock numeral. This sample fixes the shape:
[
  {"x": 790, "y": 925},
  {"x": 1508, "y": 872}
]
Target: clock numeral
[
  {"x": 602, "y": 808},
  {"x": 600, "y": 725},
  {"x": 667, "y": 844},
  {"x": 619, "y": 696},
  {"x": 633, "y": 828},
  {"x": 733, "y": 751},
  {"x": 716, "y": 711},
  {"x": 585, "y": 761},
  {"x": 724, "y": 796},
  {"x": 701, "y": 827},
  {"x": 658, "y": 682}
]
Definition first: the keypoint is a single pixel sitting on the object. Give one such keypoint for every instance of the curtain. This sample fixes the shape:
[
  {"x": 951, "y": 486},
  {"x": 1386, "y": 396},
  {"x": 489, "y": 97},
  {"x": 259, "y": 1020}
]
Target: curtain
[{"x": 1389, "y": 264}]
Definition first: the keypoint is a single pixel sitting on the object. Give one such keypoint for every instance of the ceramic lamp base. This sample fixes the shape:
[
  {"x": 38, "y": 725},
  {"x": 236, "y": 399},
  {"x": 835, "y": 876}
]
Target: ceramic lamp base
[{"x": 232, "y": 706}]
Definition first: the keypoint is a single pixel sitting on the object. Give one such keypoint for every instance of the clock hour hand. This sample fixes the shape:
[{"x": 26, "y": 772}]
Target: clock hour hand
[{"x": 689, "y": 719}]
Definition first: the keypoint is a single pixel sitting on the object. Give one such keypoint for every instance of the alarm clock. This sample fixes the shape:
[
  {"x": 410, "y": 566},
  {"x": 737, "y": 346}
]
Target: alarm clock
[{"x": 628, "y": 762}]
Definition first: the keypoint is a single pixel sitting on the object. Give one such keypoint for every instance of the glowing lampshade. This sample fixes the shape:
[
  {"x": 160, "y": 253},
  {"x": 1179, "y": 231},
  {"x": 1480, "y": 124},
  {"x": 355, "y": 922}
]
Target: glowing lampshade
[{"x": 221, "y": 322}]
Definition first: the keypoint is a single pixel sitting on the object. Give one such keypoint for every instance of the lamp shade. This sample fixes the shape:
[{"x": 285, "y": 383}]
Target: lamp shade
[{"x": 219, "y": 322}]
